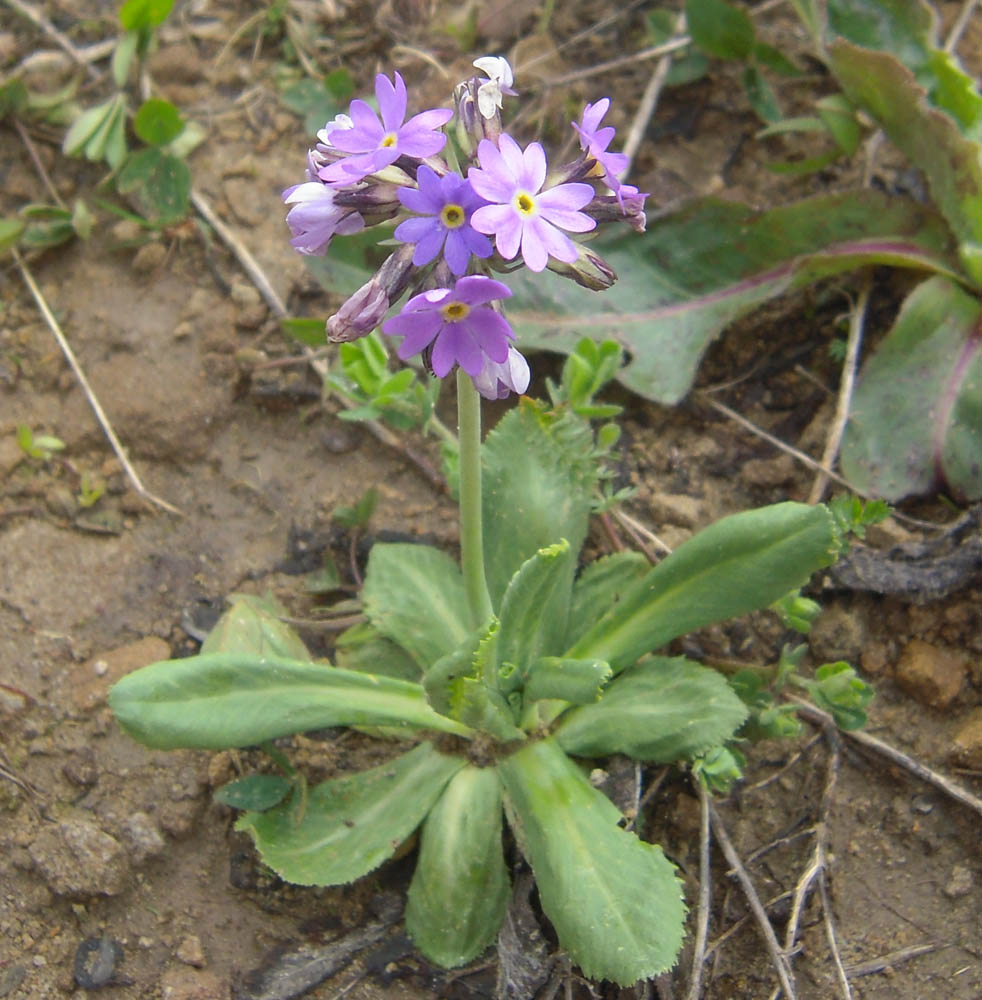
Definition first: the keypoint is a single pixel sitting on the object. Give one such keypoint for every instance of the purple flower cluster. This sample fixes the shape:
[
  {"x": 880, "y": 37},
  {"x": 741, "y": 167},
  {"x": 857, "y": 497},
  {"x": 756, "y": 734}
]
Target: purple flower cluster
[{"x": 370, "y": 167}]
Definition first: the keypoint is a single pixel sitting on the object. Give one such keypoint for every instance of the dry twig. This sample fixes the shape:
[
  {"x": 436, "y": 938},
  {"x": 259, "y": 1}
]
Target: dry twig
[
  {"x": 961, "y": 23},
  {"x": 778, "y": 958},
  {"x": 896, "y": 756},
  {"x": 705, "y": 894},
  {"x": 62, "y": 41},
  {"x": 100, "y": 414},
  {"x": 847, "y": 381}
]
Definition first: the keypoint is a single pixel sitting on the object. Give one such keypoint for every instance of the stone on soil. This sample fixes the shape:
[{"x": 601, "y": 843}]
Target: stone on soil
[
  {"x": 967, "y": 744},
  {"x": 77, "y": 859}
]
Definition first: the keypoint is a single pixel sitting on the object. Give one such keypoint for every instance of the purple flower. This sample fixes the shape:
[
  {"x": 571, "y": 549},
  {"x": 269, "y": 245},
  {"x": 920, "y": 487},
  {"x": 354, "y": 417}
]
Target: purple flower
[
  {"x": 496, "y": 380},
  {"x": 373, "y": 144},
  {"x": 594, "y": 141},
  {"x": 315, "y": 219},
  {"x": 521, "y": 214},
  {"x": 458, "y": 323},
  {"x": 447, "y": 204}
]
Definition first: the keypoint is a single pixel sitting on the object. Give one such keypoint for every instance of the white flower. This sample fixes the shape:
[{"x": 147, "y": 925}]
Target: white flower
[
  {"x": 501, "y": 78},
  {"x": 496, "y": 381},
  {"x": 340, "y": 122}
]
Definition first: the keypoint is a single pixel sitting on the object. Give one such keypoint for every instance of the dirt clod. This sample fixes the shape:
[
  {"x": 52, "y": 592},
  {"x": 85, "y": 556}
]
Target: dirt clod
[
  {"x": 967, "y": 744},
  {"x": 77, "y": 859},
  {"x": 190, "y": 952},
  {"x": 931, "y": 674}
]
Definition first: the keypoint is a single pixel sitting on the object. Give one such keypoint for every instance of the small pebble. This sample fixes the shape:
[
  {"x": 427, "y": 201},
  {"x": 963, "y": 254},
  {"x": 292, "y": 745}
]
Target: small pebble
[
  {"x": 190, "y": 952},
  {"x": 95, "y": 962}
]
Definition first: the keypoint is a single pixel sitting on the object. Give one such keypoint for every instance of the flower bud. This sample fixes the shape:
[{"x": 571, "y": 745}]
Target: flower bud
[
  {"x": 589, "y": 269},
  {"x": 374, "y": 202},
  {"x": 471, "y": 125},
  {"x": 496, "y": 381},
  {"x": 365, "y": 309},
  {"x": 627, "y": 206}
]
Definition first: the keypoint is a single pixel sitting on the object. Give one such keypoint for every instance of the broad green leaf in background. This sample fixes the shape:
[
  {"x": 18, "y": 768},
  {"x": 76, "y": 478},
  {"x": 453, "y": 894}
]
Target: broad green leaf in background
[
  {"x": 615, "y": 901},
  {"x": 720, "y": 28},
  {"x": 699, "y": 269},
  {"x": 252, "y": 625},
  {"x": 257, "y": 792},
  {"x": 929, "y": 138},
  {"x": 738, "y": 564},
  {"x": 532, "y": 619},
  {"x": 459, "y": 893},
  {"x": 414, "y": 595},
  {"x": 600, "y": 586},
  {"x": 159, "y": 182},
  {"x": 550, "y": 500},
  {"x": 660, "y": 710},
  {"x": 351, "y": 824},
  {"x": 236, "y": 700},
  {"x": 140, "y": 15},
  {"x": 10, "y": 231},
  {"x": 157, "y": 122},
  {"x": 362, "y": 647},
  {"x": 351, "y": 261},
  {"x": 916, "y": 420},
  {"x": 908, "y": 30}
]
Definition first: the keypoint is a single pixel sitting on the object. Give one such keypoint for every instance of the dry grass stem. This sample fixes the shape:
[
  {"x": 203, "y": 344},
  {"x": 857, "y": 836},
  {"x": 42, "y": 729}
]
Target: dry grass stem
[
  {"x": 61, "y": 40},
  {"x": 961, "y": 23},
  {"x": 100, "y": 414},
  {"x": 875, "y": 965},
  {"x": 778, "y": 959},
  {"x": 847, "y": 382},
  {"x": 705, "y": 895}
]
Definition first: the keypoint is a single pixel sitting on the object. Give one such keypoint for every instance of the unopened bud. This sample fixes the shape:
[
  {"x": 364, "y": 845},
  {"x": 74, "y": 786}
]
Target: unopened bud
[
  {"x": 365, "y": 309},
  {"x": 374, "y": 202},
  {"x": 589, "y": 270},
  {"x": 497, "y": 381},
  {"x": 471, "y": 125},
  {"x": 627, "y": 206}
]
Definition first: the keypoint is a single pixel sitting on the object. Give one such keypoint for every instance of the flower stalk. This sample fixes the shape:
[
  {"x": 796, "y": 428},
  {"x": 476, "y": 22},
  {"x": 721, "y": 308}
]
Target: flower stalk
[{"x": 471, "y": 530}]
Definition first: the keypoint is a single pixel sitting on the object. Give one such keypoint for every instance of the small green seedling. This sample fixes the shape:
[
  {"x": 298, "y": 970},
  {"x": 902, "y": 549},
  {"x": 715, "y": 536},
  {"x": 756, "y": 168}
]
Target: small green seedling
[{"x": 38, "y": 446}]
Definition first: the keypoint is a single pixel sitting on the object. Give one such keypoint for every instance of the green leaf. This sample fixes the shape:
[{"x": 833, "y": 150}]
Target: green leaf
[
  {"x": 737, "y": 565},
  {"x": 252, "y": 626},
  {"x": 414, "y": 595},
  {"x": 537, "y": 485},
  {"x": 483, "y": 709},
  {"x": 661, "y": 710},
  {"x": 532, "y": 621},
  {"x": 316, "y": 103},
  {"x": 837, "y": 689},
  {"x": 600, "y": 586},
  {"x": 140, "y": 15},
  {"x": 929, "y": 138},
  {"x": 234, "y": 700},
  {"x": 160, "y": 183},
  {"x": 157, "y": 122},
  {"x": 615, "y": 901},
  {"x": 459, "y": 893},
  {"x": 307, "y": 331},
  {"x": 86, "y": 126},
  {"x": 916, "y": 418},
  {"x": 699, "y": 269},
  {"x": 579, "y": 682},
  {"x": 351, "y": 824},
  {"x": 761, "y": 95},
  {"x": 719, "y": 28},
  {"x": 257, "y": 792},
  {"x": 10, "y": 231},
  {"x": 123, "y": 57},
  {"x": 362, "y": 647},
  {"x": 351, "y": 261}
]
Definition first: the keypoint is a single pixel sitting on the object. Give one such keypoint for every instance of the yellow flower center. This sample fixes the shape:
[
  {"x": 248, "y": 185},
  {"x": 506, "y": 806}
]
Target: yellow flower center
[
  {"x": 454, "y": 312},
  {"x": 452, "y": 216},
  {"x": 525, "y": 203},
  {"x": 389, "y": 141}
]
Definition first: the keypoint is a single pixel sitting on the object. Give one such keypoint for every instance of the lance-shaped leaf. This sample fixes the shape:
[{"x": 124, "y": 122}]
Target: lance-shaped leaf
[
  {"x": 737, "y": 565},
  {"x": 483, "y": 708},
  {"x": 536, "y": 487},
  {"x": 697, "y": 270},
  {"x": 351, "y": 824},
  {"x": 600, "y": 586},
  {"x": 579, "y": 682},
  {"x": 253, "y": 625},
  {"x": 660, "y": 710},
  {"x": 929, "y": 138},
  {"x": 534, "y": 608},
  {"x": 414, "y": 595},
  {"x": 459, "y": 893},
  {"x": 614, "y": 900},
  {"x": 916, "y": 418},
  {"x": 234, "y": 700}
]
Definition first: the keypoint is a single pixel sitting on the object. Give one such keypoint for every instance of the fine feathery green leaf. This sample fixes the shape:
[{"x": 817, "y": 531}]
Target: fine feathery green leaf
[
  {"x": 661, "y": 710},
  {"x": 252, "y": 626},
  {"x": 697, "y": 270},
  {"x": 353, "y": 824},
  {"x": 737, "y": 565},
  {"x": 235, "y": 700},
  {"x": 916, "y": 419},
  {"x": 414, "y": 595},
  {"x": 459, "y": 893},
  {"x": 533, "y": 502},
  {"x": 614, "y": 900},
  {"x": 600, "y": 586},
  {"x": 534, "y": 608}
]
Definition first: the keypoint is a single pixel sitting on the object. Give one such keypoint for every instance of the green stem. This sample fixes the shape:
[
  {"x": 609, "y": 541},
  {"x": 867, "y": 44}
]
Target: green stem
[{"x": 471, "y": 533}]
